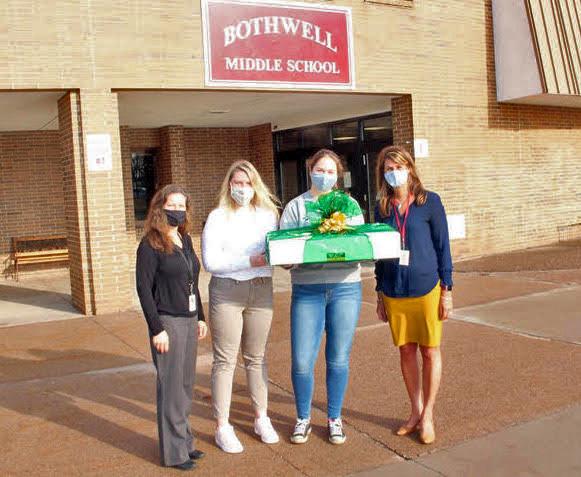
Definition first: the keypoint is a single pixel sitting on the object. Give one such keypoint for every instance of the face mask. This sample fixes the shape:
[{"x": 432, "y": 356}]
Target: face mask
[
  {"x": 175, "y": 217},
  {"x": 242, "y": 195},
  {"x": 397, "y": 177},
  {"x": 324, "y": 182}
]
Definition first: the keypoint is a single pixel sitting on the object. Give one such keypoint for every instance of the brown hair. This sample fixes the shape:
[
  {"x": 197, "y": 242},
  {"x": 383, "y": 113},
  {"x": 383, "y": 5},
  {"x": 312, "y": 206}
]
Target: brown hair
[
  {"x": 317, "y": 156},
  {"x": 401, "y": 156},
  {"x": 156, "y": 229}
]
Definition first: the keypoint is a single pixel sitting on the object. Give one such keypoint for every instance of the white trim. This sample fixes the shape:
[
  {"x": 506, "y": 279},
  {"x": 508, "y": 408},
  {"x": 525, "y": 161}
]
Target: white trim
[{"x": 208, "y": 81}]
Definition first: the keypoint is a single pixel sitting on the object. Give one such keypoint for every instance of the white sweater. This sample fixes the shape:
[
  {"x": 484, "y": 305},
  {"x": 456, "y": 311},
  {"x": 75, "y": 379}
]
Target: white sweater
[{"x": 231, "y": 237}]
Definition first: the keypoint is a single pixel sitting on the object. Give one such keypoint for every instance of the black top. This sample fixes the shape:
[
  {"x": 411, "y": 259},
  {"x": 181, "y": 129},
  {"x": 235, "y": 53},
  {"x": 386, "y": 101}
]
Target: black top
[{"x": 163, "y": 282}]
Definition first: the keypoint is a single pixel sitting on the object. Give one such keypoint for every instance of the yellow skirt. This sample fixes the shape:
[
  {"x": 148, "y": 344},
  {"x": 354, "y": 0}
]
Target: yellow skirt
[{"x": 415, "y": 320}]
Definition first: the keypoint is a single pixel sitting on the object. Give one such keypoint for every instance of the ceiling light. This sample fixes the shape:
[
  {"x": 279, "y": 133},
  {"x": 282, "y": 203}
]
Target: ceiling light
[
  {"x": 376, "y": 128},
  {"x": 219, "y": 111},
  {"x": 344, "y": 138}
]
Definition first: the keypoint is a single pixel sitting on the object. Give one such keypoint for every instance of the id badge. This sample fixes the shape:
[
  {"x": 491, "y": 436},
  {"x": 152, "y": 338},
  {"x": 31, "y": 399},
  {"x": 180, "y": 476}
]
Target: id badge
[
  {"x": 404, "y": 258},
  {"x": 193, "y": 303}
]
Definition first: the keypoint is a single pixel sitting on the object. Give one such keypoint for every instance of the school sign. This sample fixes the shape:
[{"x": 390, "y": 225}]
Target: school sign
[{"x": 277, "y": 45}]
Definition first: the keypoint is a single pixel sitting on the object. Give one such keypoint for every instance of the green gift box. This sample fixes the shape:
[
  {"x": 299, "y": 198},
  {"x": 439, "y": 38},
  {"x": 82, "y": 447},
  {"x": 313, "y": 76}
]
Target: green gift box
[
  {"x": 308, "y": 245},
  {"x": 354, "y": 244}
]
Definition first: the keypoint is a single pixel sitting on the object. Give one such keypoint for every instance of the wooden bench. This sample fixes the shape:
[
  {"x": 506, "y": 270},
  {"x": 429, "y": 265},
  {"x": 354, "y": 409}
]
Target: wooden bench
[{"x": 39, "y": 249}]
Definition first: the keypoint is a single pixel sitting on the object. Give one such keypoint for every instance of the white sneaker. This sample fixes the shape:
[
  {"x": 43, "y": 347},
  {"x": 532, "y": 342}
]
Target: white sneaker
[
  {"x": 336, "y": 433},
  {"x": 263, "y": 427},
  {"x": 301, "y": 432},
  {"x": 227, "y": 441}
]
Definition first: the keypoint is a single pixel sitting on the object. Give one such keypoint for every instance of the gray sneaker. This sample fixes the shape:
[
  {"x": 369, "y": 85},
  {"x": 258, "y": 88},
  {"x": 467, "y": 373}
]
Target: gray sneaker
[
  {"x": 301, "y": 432},
  {"x": 336, "y": 434}
]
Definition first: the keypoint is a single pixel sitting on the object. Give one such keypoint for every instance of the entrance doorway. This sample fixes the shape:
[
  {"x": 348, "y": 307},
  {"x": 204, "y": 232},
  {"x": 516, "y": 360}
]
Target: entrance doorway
[{"x": 357, "y": 141}]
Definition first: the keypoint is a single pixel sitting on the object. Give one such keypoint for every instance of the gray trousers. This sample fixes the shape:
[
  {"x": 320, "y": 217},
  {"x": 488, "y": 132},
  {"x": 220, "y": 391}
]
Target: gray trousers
[{"x": 175, "y": 383}]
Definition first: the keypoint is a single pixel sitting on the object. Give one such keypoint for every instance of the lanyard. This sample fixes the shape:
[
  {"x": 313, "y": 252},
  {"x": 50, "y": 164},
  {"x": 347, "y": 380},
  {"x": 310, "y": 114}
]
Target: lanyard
[
  {"x": 401, "y": 228},
  {"x": 189, "y": 264}
]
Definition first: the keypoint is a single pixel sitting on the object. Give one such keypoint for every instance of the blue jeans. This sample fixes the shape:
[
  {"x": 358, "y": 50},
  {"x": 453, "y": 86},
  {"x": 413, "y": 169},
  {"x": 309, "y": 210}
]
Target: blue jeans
[{"x": 333, "y": 308}]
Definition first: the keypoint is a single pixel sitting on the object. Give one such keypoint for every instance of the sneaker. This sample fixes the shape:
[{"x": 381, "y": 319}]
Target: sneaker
[
  {"x": 301, "y": 432},
  {"x": 227, "y": 441},
  {"x": 336, "y": 434},
  {"x": 263, "y": 428}
]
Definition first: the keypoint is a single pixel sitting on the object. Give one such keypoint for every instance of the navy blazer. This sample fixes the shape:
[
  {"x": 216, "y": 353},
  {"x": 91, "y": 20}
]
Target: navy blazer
[{"x": 429, "y": 246}]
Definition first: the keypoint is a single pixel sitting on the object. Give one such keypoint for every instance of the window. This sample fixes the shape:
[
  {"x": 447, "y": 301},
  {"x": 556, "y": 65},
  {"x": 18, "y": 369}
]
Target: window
[{"x": 143, "y": 179}]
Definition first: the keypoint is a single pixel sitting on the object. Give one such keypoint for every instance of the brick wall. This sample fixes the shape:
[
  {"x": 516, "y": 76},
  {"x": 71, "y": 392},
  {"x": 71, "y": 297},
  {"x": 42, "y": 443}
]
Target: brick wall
[
  {"x": 402, "y": 122},
  {"x": 209, "y": 153},
  {"x": 513, "y": 171},
  {"x": 203, "y": 157},
  {"x": 31, "y": 192},
  {"x": 261, "y": 153}
]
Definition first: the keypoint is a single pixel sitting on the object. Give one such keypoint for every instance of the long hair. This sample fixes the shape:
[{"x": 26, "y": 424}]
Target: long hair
[
  {"x": 401, "y": 156},
  {"x": 263, "y": 198},
  {"x": 156, "y": 229},
  {"x": 317, "y": 156}
]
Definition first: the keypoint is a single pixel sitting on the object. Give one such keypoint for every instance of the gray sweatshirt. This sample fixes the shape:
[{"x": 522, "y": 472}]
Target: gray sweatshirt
[{"x": 295, "y": 215}]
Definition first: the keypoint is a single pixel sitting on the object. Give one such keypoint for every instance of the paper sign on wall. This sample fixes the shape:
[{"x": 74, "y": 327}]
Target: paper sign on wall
[
  {"x": 456, "y": 226},
  {"x": 347, "y": 180},
  {"x": 99, "y": 152},
  {"x": 421, "y": 149}
]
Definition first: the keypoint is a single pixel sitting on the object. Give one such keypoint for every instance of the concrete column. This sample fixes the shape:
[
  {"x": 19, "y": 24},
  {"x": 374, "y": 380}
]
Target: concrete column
[{"x": 95, "y": 205}]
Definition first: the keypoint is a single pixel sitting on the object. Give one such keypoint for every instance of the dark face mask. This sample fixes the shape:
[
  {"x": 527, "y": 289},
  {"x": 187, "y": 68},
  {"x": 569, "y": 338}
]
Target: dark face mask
[{"x": 175, "y": 217}]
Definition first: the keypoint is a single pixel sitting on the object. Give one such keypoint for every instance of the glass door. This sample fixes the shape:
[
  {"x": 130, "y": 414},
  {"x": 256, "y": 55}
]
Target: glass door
[
  {"x": 357, "y": 141},
  {"x": 346, "y": 144},
  {"x": 377, "y": 133}
]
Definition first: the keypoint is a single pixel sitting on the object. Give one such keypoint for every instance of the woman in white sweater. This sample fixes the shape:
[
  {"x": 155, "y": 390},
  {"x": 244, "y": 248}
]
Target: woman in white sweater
[{"x": 233, "y": 251}]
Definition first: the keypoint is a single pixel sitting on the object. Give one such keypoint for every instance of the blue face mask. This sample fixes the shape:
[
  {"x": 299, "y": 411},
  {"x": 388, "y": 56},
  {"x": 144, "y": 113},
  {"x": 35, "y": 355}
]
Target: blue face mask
[
  {"x": 396, "y": 178},
  {"x": 323, "y": 182}
]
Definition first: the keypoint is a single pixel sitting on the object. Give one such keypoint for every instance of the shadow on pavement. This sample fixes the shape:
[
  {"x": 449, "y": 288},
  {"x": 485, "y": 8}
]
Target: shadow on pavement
[{"x": 33, "y": 296}]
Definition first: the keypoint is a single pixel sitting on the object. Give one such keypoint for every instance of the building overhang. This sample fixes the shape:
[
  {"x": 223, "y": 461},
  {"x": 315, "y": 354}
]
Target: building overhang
[{"x": 536, "y": 49}]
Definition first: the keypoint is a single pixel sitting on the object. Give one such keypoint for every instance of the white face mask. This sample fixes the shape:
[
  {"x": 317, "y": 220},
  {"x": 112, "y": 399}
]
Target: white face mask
[
  {"x": 397, "y": 177},
  {"x": 242, "y": 195}
]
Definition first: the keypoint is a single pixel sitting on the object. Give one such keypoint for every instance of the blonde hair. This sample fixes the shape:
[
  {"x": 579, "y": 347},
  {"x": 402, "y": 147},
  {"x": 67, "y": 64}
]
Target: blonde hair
[
  {"x": 263, "y": 198},
  {"x": 400, "y": 156}
]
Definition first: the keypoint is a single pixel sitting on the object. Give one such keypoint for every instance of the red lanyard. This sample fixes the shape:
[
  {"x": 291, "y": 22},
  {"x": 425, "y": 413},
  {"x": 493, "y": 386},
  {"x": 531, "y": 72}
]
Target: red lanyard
[{"x": 401, "y": 228}]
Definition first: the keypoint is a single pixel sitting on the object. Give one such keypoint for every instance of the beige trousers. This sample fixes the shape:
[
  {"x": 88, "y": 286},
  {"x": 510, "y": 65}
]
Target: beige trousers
[{"x": 240, "y": 314}]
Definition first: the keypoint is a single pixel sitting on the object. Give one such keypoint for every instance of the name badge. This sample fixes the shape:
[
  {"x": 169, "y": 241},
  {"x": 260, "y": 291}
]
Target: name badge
[
  {"x": 404, "y": 258},
  {"x": 193, "y": 303}
]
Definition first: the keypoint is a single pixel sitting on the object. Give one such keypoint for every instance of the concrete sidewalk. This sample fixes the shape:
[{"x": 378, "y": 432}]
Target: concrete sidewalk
[{"x": 77, "y": 397}]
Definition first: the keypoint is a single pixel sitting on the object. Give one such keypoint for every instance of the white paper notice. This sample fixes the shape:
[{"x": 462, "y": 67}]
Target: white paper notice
[
  {"x": 347, "y": 180},
  {"x": 456, "y": 227},
  {"x": 421, "y": 148},
  {"x": 99, "y": 155}
]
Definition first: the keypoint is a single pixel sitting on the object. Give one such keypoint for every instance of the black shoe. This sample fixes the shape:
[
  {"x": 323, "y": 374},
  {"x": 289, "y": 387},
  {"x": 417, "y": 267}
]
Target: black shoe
[
  {"x": 187, "y": 465},
  {"x": 197, "y": 454}
]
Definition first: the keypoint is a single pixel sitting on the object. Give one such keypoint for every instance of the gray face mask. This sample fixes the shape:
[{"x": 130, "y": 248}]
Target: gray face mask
[
  {"x": 242, "y": 195},
  {"x": 324, "y": 182}
]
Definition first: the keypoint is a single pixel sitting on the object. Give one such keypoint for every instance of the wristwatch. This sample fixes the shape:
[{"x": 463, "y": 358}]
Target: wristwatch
[{"x": 446, "y": 287}]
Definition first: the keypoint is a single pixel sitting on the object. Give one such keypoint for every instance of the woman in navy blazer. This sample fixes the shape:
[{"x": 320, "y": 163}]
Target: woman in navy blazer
[{"x": 415, "y": 291}]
